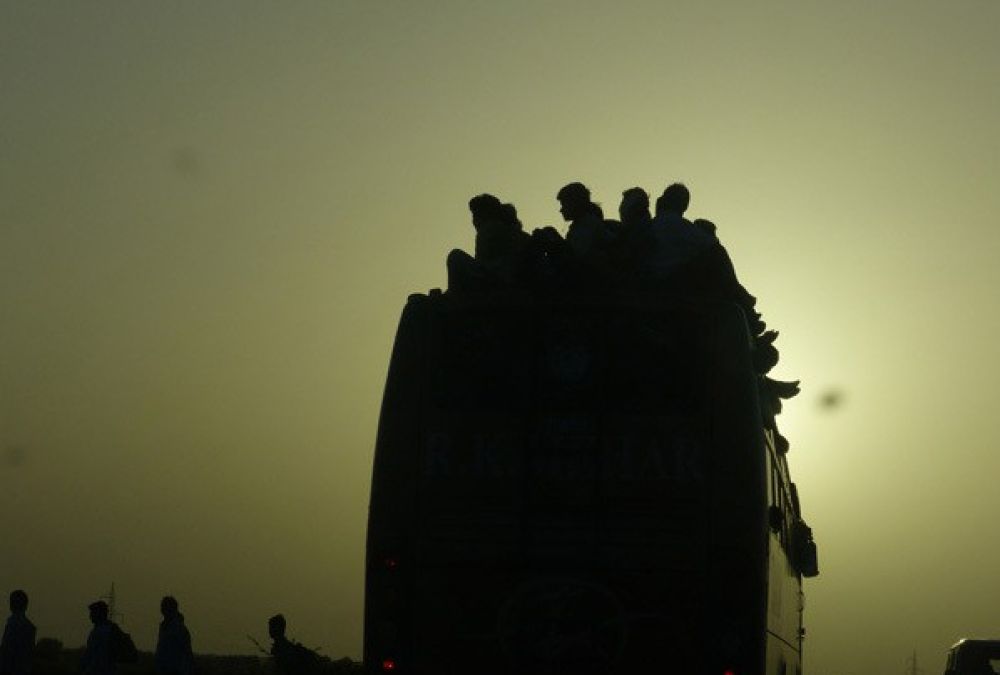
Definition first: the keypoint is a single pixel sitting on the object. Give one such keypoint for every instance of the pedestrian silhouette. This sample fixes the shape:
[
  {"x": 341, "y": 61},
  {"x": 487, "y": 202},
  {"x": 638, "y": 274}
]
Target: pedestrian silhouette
[
  {"x": 290, "y": 658},
  {"x": 173, "y": 643},
  {"x": 98, "y": 657},
  {"x": 18, "y": 637}
]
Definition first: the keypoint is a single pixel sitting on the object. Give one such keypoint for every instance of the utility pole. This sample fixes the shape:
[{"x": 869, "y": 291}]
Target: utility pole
[
  {"x": 110, "y": 598},
  {"x": 911, "y": 665}
]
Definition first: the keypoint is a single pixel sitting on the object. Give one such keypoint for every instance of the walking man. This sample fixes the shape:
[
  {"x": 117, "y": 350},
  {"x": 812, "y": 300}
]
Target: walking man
[
  {"x": 18, "y": 638},
  {"x": 98, "y": 658},
  {"x": 173, "y": 644}
]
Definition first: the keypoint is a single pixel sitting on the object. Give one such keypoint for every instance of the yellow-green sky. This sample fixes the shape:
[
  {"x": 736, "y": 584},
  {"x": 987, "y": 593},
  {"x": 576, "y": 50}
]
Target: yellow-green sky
[{"x": 211, "y": 214}]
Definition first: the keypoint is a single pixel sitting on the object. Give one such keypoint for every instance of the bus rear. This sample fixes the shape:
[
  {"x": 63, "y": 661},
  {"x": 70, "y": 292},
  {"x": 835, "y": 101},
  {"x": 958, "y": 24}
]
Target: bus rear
[{"x": 571, "y": 487}]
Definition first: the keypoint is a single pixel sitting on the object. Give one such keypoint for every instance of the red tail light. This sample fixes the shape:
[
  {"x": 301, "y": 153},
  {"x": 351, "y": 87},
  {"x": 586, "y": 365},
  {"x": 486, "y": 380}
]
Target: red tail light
[{"x": 388, "y": 665}]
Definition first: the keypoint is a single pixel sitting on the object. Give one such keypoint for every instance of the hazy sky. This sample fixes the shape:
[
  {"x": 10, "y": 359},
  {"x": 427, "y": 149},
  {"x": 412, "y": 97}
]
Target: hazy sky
[{"x": 211, "y": 214}]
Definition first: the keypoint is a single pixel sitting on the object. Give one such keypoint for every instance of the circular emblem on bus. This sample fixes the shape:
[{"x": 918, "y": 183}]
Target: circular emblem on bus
[{"x": 556, "y": 626}]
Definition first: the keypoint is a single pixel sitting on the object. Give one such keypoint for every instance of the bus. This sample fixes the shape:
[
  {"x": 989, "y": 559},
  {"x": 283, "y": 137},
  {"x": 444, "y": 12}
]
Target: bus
[
  {"x": 973, "y": 657},
  {"x": 582, "y": 486}
]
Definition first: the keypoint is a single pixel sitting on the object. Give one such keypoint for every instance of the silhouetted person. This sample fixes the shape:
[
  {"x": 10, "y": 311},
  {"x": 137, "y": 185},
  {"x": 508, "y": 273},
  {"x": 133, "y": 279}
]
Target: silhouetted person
[
  {"x": 516, "y": 261},
  {"x": 586, "y": 259},
  {"x": 494, "y": 229},
  {"x": 500, "y": 247},
  {"x": 693, "y": 256},
  {"x": 634, "y": 210},
  {"x": 290, "y": 658},
  {"x": 676, "y": 241},
  {"x": 586, "y": 234},
  {"x": 18, "y": 637},
  {"x": 713, "y": 273},
  {"x": 706, "y": 226},
  {"x": 98, "y": 657},
  {"x": 508, "y": 212},
  {"x": 173, "y": 644},
  {"x": 635, "y": 240}
]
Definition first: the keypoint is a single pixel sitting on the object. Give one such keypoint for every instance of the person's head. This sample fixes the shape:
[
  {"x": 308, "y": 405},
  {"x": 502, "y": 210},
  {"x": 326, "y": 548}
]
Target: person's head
[
  {"x": 276, "y": 626},
  {"x": 706, "y": 226},
  {"x": 485, "y": 208},
  {"x": 98, "y": 611},
  {"x": 169, "y": 606},
  {"x": 574, "y": 201},
  {"x": 675, "y": 199},
  {"x": 18, "y": 601},
  {"x": 634, "y": 207}
]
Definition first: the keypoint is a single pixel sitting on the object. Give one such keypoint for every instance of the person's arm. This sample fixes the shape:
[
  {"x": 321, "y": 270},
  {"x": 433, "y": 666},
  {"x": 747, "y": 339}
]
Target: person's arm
[{"x": 186, "y": 644}]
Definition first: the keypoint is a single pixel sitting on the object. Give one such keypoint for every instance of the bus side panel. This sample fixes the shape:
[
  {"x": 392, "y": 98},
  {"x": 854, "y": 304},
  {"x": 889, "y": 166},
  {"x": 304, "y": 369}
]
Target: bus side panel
[
  {"x": 784, "y": 604},
  {"x": 739, "y": 499},
  {"x": 388, "y": 573}
]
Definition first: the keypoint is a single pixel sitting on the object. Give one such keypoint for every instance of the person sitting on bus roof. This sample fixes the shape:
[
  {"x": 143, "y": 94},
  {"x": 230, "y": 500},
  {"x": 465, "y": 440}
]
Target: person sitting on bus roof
[
  {"x": 586, "y": 219},
  {"x": 516, "y": 263},
  {"x": 715, "y": 274},
  {"x": 706, "y": 226},
  {"x": 635, "y": 240},
  {"x": 634, "y": 210},
  {"x": 500, "y": 244},
  {"x": 676, "y": 241},
  {"x": 589, "y": 235},
  {"x": 692, "y": 256}
]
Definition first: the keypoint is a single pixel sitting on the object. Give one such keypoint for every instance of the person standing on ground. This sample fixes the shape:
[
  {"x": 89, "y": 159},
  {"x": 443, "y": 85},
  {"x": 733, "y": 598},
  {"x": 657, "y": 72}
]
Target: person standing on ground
[
  {"x": 18, "y": 638},
  {"x": 173, "y": 643},
  {"x": 98, "y": 657}
]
